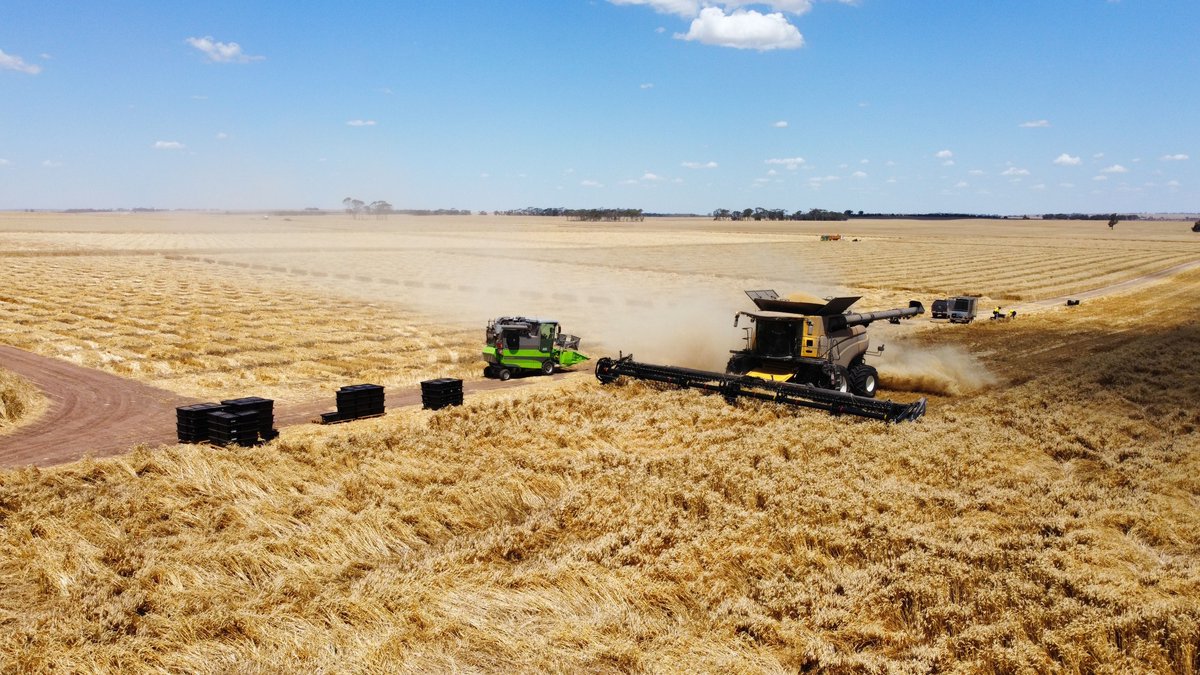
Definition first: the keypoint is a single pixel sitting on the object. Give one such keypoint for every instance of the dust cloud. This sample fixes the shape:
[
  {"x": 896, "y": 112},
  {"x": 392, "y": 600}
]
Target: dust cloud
[{"x": 947, "y": 370}]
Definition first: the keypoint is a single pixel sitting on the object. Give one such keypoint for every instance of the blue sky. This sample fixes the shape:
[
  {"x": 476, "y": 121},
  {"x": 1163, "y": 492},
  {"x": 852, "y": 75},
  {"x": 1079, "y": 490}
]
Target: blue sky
[{"x": 1025, "y": 106}]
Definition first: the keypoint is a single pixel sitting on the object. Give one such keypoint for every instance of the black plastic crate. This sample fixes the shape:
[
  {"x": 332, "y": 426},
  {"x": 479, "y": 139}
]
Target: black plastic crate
[{"x": 191, "y": 421}]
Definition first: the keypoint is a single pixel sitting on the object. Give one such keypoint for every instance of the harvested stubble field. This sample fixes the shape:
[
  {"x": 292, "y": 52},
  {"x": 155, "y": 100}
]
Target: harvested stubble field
[{"x": 1045, "y": 522}]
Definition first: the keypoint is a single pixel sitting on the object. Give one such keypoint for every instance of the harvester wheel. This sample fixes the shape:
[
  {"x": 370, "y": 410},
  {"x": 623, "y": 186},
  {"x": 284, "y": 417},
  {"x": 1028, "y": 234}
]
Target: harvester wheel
[
  {"x": 864, "y": 380},
  {"x": 488, "y": 371},
  {"x": 548, "y": 367},
  {"x": 504, "y": 374},
  {"x": 840, "y": 380}
]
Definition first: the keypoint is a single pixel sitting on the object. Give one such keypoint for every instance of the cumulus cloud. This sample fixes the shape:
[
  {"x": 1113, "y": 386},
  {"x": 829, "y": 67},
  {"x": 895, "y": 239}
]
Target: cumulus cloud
[
  {"x": 221, "y": 136},
  {"x": 962, "y": 184},
  {"x": 591, "y": 184},
  {"x": 789, "y": 162},
  {"x": 1100, "y": 178},
  {"x": 700, "y": 165},
  {"x": 1115, "y": 168},
  {"x": 1014, "y": 171},
  {"x": 743, "y": 29},
  {"x": 168, "y": 145},
  {"x": 859, "y": 174},
  {"x": 222, "y": 52},
  {"x": 651, "y": 176},
  {"x": 1035, "y": 124},
  {"x": 1067, "y": 160},
  {"x": 1174, "y": 158},
  {"x": 1173, "y": 183},
  {"x": 943, "y": 154},
  {"x": 14, "y": 62},
  {"x": 781, "y": 124},
  {"x": 646, "y": 85},
  {"x": 51, "y": 164},
  {"x": 360, "y": 123},
  {"x": 976, "y": 172}
]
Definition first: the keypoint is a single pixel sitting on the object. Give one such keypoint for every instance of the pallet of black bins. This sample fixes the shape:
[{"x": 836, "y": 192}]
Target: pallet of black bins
[
  {"x": 356, "y": 402},
  {"x": 442, "y": 392},
  {"x": 240, "y": 421}
]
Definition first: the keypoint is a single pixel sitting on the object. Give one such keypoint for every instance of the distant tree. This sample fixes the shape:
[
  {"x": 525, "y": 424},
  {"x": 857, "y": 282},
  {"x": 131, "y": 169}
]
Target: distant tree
[
  {"x": 1112, "y": 221},
  {"x": 353, "y": 206},
  {"x": 380, "y": 208},
  {"x": 1196, "y": 226}
]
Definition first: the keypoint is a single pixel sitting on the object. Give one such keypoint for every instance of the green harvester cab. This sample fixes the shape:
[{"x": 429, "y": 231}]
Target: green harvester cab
[{"x": 516, "y": 344}]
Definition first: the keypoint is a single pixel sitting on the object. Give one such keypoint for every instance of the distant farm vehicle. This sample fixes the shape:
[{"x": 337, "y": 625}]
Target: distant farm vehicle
[
  {"x": 519, "y": 344},
  {"x": 831, "y": 237},
  {"x": 939, "y": 309},
  {"x": 1196, "y": 226},
  {"x": 962, "y": 309},
  {"x": 1072, "y": 303}
]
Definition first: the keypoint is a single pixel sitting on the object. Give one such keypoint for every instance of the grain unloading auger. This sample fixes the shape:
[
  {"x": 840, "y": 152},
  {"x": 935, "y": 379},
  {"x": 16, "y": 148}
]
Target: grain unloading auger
[{"x": 732, "y": 387}]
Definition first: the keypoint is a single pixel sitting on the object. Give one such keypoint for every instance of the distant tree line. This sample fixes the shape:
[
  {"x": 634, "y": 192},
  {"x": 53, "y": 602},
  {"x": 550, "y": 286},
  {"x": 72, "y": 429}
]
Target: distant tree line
[
  {"x": 379, "y": 209},
  {"x": 928, "y": 216},
  {"x": 1089, "y": 216},
  {"x": 779, "y": 214},
  {"x": 594, "y": 215}
]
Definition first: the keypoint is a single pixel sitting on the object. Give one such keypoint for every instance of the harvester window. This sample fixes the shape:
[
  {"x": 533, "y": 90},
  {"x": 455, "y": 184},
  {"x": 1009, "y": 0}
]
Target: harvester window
[{"x": 512, "y": 340}]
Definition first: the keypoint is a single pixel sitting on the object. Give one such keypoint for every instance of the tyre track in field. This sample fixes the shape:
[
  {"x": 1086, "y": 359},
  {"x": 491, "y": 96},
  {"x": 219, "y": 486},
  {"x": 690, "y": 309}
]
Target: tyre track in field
[{"x": 95, "y": 413}]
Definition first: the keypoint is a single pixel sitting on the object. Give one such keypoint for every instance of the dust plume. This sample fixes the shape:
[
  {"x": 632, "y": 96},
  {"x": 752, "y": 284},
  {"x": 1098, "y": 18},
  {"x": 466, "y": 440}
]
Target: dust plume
[{"x": 948, "y": 370}]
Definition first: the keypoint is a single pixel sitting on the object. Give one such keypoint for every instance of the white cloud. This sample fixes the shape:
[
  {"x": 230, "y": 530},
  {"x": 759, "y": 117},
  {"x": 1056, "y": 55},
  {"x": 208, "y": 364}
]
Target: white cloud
[
  {"x": 360, "y": 123},
  {"x": 1014, "y": 171},
  {"x": 962, "y": 184},
  {"x": 1098, "y": 155},
  {"x": 789, "y": 162},
  {"x": 651, "y": 176},
  {"x": 222, "y": 52},
  {"x": 743, "y": 29},
  {"x": 1039, "y": 186},
  {"x": 976, "y": 172},
  {"x": 1100, "y": 178},
  {"x": 859, "y": 174},
  {"x": 948, "y": 162},
  {"x": 51, "y": 164},
  {"x": 772, "y": 172},
  {"x": 1174, "y": 158},
  {"x": 699, "y": 165},
  {"x": 1035, "y": 124},
  {"x": 943, "y": 154},
  {"x": 591, "y": 184},
  {"x": 646, "y": 85},
  {"x": 1067, "y": 160},
  {"x": 14, "y": 62},
  {"x": 1173, "y": 183},
  {"x": 168, "y": 145},
  {"x": 4, "y": 162},
  {"x": 781, "y": 124},
  {"x": 1066, "y": 185},
  {"x": 221, "y": 135},
  {"x": 690, "y": 8},
  {"x": 684, "y": 8},
  {"x": 864, "y": 161},
  {"x": 1115, "y": 168}
]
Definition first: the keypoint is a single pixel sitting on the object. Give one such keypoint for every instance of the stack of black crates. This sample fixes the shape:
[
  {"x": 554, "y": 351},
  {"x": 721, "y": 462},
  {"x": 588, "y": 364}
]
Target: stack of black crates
[
  {"x": 240, "y": 421},
  {"x": 439, "y": 393},
  {"x": 191, "y": 421},
  {"x": 359, "y": 400}
]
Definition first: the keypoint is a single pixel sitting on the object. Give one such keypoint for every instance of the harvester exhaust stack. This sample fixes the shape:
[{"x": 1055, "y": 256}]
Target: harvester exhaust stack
[{"x": 731, "y": 387}]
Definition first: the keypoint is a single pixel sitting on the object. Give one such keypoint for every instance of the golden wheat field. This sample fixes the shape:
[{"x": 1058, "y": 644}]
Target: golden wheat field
[
  {"x": 1044, "y": 516},
  {"x": 19, "y": 401}
]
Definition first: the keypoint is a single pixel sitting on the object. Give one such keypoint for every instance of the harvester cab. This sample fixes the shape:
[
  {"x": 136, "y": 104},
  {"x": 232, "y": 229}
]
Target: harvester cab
[
  {"x": 520, "y": 344},
  {"x": 819, "y": 344}
]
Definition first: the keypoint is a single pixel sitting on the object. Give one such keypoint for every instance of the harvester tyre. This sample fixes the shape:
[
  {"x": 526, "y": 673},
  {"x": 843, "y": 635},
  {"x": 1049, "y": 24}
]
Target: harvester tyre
[
  {"x": 504, "y": 374},
  {"x": 841, "y": 379},
  {"x": 864, "y": 380},
  {"x": 548, "y": 367}
]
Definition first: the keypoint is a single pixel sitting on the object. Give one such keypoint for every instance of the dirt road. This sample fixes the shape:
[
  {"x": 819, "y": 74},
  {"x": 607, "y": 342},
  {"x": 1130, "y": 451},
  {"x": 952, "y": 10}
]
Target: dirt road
[{"x": 92, "y": 412}]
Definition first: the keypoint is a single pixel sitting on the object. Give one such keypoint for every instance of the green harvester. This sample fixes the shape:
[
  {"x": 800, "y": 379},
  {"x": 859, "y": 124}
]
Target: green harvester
[{"x": 517, "y": 344}]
